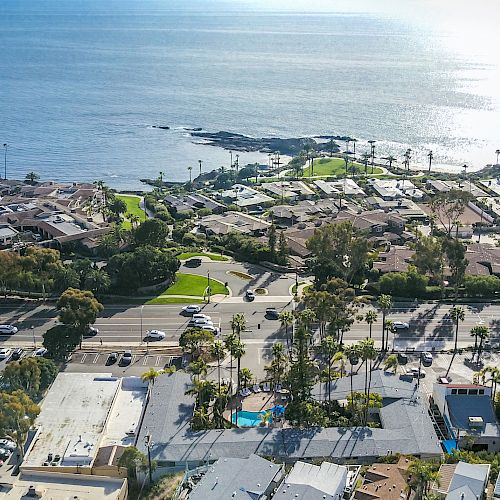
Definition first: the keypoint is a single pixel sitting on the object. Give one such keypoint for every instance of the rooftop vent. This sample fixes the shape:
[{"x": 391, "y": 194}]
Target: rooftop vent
[{"x": 475, "y": 422}]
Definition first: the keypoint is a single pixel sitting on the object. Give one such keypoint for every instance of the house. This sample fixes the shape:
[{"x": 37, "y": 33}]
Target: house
[
  {"x": 462, "y": 481},
  {"x": 245, "y": 196},
  {"x": 7, "y": 234},
  {"x": 291, "y": 190},
  {"x": 391, "y": 189},
  {"x": 252, "y": 478},
  {"x": 345, "y": 187},
  {"x": 438, "y": 186},
  {"x": 496, "y": 491},
  {"x": 373, "y": 222},
  {"x": 192, "y": 201},
  {"x": 485, "y": 258},
  {"x": 394, "y": 260},
  {"x": 404, "y": 207},
  {"x": 312, "y": 482},
  {"x": 492, "y": 185},
  {"x": 288, "y": 215},
  {"x": 468, "y": 413},
  {"x": 233, "y": 222},
  {"x": 385, "y": 482}
]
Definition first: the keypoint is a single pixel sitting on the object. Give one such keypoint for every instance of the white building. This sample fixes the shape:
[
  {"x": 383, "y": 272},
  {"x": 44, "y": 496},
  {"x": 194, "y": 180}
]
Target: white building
[
  {"x": 390, "y": 189},
  {"x": 245, "y": 196}
]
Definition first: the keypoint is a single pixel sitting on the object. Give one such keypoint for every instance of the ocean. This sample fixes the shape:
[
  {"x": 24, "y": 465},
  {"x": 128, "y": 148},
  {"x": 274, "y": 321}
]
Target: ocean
[{"x": 83, "y": 82}]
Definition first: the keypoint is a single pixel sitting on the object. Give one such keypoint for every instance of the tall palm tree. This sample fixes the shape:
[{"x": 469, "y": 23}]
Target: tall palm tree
[
  {"x": 161, "y": 178},
  {"x": 457, "y": 314},
  {"x": 372, "y": 152},
  {"x": 430, "y": 155},
  {"x": 286, "y": 318},
  {"x": 238, "y": 324},
  {"x": 368, "y": 353},
  {"x": 229, "y": 345},
  {"x": 354, "y": 141},
  {"x": 421, "y": 474},
  {"x": 370, "y": 318},
  {"x": 341, "y": 359},
  {"x": 345, "y": 157},
  {"x": 385, "y": 303},
  {"x": 390, "y": 160},
  {"x": 497, "y": 152},
  {"x": 328, "y": 348},
  {"x": 190, "y": 176},
  {"x": 218, "y": 350},
  {"x": 352, "y": 354},
  {"x": 238, "y": 353},
  {"x": 246, "y": 377}
]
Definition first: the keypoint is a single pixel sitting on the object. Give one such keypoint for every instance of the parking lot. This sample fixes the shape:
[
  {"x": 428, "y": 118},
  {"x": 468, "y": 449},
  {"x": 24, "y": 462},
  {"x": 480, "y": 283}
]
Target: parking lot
[{"x": 158, "y": 361}]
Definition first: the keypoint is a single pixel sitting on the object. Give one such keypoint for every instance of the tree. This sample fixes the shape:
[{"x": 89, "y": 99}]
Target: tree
[
  {"x": 198, "y": 368},
  {"x": 200, "y": 419},
  {"x": 276, "y": 370},
  {"x": 448, "y": 207},
  {"x": 32, "y": 177},
  {"x": 153, "y": 232},
  {"x": 60, "y": 341},
  {"x": 420, "y": 475},
  {"x": 238, "y": 324},
  {"x": 368, "y": 353},
  {"x": 97, "y": 281},
  {"x": 78, "y": 309},
  {"x": 429, "y": 257},
  {"x": 481, "y": 332},
  {"x": 359, "y": 403},
  {"x": 82, "y": 267},
  {"x": 132, "y": 459},
  {"x": 238, "y": 351},
  {"x": 338, "y": 251},
  {"x": 391, "y": 363},
  {"x": 282, "y": 257},
  {"x": 286, "y": 319},
  {"x": 352, "y": 354},
  {"x": 272, "y": 240},
  {"x": 117, "y": 206},
  {"x": 457, "y": 314},
  {"x": 328, "y": 348},
  {"x": 385, "y": 303},
  {"x": 370, "y": 318},
  {"x": 17, "y": 414},
  {"x": 218, "y": 350},
  {"x": 322, "y": 303},
  {"x": 194, "y": 339},
  {"x": 151, "y": 375},
  {"x": 246, "y": 377},
  {"x": 455, "y": 255}
]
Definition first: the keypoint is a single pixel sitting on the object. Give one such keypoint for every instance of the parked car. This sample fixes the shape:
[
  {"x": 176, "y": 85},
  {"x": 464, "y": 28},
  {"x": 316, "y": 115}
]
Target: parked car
[
  {"x": 40, "y": 352},
  {"x": 191, "y": 309},
  {"x": 400, "y": 325},
  {"x": 427, "y": 358},
  {"x": 126, "y": 358},
  {"x": 16, "y": 353},
  {"x": 156, "y": 334},
  {"x": 8, "y": 329},
  {"x": 112, "y": 358},
  {"x": 7, "y": 444},
  {"x": 250, "y": 295},
  {"x": 5, "y": 353},
  {"x": 194, "y": 262},
  {"x": 210, "y": 328},
  {"x": 272, "y": 313},
  {"x": 402, "y": 358},
  {"x": 414, "y": 372},
  {"x": 4, "y": 454},
  {"x": 202, "y": 316},
  {"x": 92, "y": 331},
  {"x": 200, "y": 322}
]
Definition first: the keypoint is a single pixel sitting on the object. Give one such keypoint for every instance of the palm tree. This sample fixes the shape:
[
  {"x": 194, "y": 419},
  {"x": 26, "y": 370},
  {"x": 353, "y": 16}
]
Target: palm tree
[
  {"x": 346, "y": 160},
  {"x": 497, "y": 152},
  {"x": 246, "y": 376},
  {"x": 354, "y": 141},
  {"x": 229, "y": 344},
  {"x": 430, "y": 155},
  {"x": 190, "y": 176},
  {"x": 286, "y": 318},
  {"x": 238, "y": 352},
  {"x": 368, "y": 353},
  {"x": 370, "y": 318},
  {"x": 481, "y": 332},
  {"x": 198, "y": 369},
  {"x": 341, "y": 359},
  {"x": 390, "y": 160},
  {"x": 328, "y": 348},
  {"x": 266, "y": 418},
  {"x": 385, "y": 303},
  {"x": 420, "y": 475},
  {"x": 364, "y": 160},
  {"x": 457, "y": 314},
  {"x": 238, "y": 324},
  {"x": 161, "y": 178},
  {"x": 352, "y": 354},
  {"x": 150, "y": 375},
  {"x": 391, "y": 363},
  {"x": 218, "y": 350},
  {"x": 372, "y": 152}
]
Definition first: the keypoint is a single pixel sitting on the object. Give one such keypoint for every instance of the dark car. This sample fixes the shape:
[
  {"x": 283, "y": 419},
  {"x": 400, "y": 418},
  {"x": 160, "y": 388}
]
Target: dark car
[
  {"x": 16, "y": 354},
  {"x": 402, "y": 358},
  {"x": 250, "y": 295},
  {"x": 112, "y": 358},
  {"x": 195, "y": 262},
  {"x": 272, "y": 313},
  {"x": 126, "y": 358}
]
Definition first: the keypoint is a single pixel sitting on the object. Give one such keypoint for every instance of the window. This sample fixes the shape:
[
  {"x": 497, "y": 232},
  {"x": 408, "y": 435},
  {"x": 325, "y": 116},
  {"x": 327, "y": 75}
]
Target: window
[
  {"x": 472, "y": 392},
  {"x": 481, "y": 392},
  {"x": 453, "y": 391},
  {"x": 462, "y": 391}
]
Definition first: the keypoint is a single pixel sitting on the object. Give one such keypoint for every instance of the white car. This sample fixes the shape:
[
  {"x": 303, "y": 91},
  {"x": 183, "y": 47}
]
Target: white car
[
  {"x": 40, "y": 352},
  {"x": 5, "y": 353},
  {"x": 427, "y": 358},
  {"x": 210, "y": 328},
  {"x": 191, "y": 309},
  {"x": 8, "y": 329},
  {"x": 7, "y": 444},
  {"x": 400, "y": 325},
  {"x": 414, "y": 372},
  {"x": 156, "y": 334},
  {"x": 202, "y": 316},
  {"x": 200, "y": 322}
]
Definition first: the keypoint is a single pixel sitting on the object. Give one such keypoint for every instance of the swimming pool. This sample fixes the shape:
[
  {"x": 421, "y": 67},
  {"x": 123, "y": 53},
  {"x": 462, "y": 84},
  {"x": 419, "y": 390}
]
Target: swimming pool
[{"x": 249, "y": 418}]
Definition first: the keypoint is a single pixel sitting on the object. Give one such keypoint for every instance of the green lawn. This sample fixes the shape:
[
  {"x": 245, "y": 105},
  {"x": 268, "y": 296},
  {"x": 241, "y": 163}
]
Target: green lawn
[
  {"x": 173, "y": 300},
  {"x": 195, "y": 285},
  {"x": 133, "y": 208},
  {"x": 211, "y": 256},
  {"x": 336, "y": 166}
]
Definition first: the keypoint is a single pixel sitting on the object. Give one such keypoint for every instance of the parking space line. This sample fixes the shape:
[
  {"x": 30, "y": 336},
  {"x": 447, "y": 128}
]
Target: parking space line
[
  {"x": 145, "y": 360},
  {"x": 96, "y": 358},
  {"x": 157, "y": 361},
  {"x": 168, "y": 360},
  {"x": 83, "y": 357}
]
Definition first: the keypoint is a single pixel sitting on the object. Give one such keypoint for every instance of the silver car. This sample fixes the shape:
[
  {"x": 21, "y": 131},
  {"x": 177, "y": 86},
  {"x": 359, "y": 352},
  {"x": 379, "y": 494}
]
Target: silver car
[{"x": 8, "y": 329}]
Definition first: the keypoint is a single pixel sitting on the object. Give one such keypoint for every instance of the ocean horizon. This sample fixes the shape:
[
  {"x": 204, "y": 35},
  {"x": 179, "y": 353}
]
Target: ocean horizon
[{"x": 83, "y": 83}]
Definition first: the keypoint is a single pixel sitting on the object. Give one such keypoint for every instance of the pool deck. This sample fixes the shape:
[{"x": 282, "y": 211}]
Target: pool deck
[{"x": 253, "y": 402}]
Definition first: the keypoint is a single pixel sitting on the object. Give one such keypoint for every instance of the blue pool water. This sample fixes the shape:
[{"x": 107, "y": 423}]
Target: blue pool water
[{"x": 249, "y": 418}]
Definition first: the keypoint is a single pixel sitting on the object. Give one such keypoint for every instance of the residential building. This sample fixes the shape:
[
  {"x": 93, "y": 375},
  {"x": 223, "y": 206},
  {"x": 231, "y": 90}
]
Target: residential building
[
  {"x": 252, "y": 478},
  {"x": 190, "y": 202},
  {"x": 233, "y": 222},
  {"x": 373, "y": 222},
  {"x": 290, "y": 190},
  {"x": 346, "y": 187},
  {"x": 394, "y": 260},
  {"x": 7, "y": 234},
  {"x": 496, "y": 491},
  {"x": 312, "y": 482},
  {"x": 462, "y": 481},
  {"x": 438, "y": 186},
  {"x": 404, "y": 207},
  {"x": 391, "y": 189},
  {"x": 385, "y": 482},
  {"x": 245, "y": 196},
  {"x": 468, "y": 412}
]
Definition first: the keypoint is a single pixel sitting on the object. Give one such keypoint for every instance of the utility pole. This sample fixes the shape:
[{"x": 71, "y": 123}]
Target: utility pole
[
  {"x": 149, "y": 443},
  {"x": 32, "y": 327},
  {"x": 200, "y": 162},
  {"x": 208, "y": 287},
  {"x": 237, "y": 163},
  {"x": 5, "y": 160}
]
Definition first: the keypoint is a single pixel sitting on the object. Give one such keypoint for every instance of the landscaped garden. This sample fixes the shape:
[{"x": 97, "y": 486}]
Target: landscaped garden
[
  {"x": 211, "y": 256},
  {"x": 194, "y": 285},
  {"x": 133, "y": 209},
  {"x": 336, "y": 166}
]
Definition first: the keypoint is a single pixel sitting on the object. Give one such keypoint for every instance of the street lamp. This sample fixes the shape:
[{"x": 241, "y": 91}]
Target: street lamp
[
  {"x": 32, "y": 327},
  {"x": 140, "y": 342},
  {"x": 5, "y": 160},
  {"x": 149, "y": 443},
  {"x": 208, "y": 287}
]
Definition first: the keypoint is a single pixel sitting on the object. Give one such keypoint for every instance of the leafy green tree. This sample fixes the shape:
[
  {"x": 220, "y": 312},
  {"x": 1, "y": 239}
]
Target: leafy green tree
[
  {"x": 338, "y": 251},
  {"x": 429, "y": 257},
  {"x": 421, "y": 475},
  {"x": 282, "y": 255},
  {"x": 482, "y": 286},
  {"x": 455, "y": 255},
  {"x": 194, "y": 340},
  {"x": 78, "y": 309},
  {"x": 457, "y": 314},
  {"x": 117, "y": 206},
  {"x": 17, "y": 414},
  {"x": 306, "y": 414},
  {"x": 200, "y": 420},
  {"x": 60, "y": 340},
  {"x": 153, "y": 232},
  {"x": 246, "y": 377},
  {"x": 385, "y": 304},
  {"x": 133, "y": 460},
  {"x": 97, "y": 281},
  {"x": 359, "y": 402},
  {"x": 32, "y": 177},
  {"x": 82, "y": 267},
  {"x": 448, "y": 207},
  {"x": 391, "y": 363},
  {"x": 66, "y": 277},
  {"x": 272, "y": 239},
  {"x": 198, "y": 368}
]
